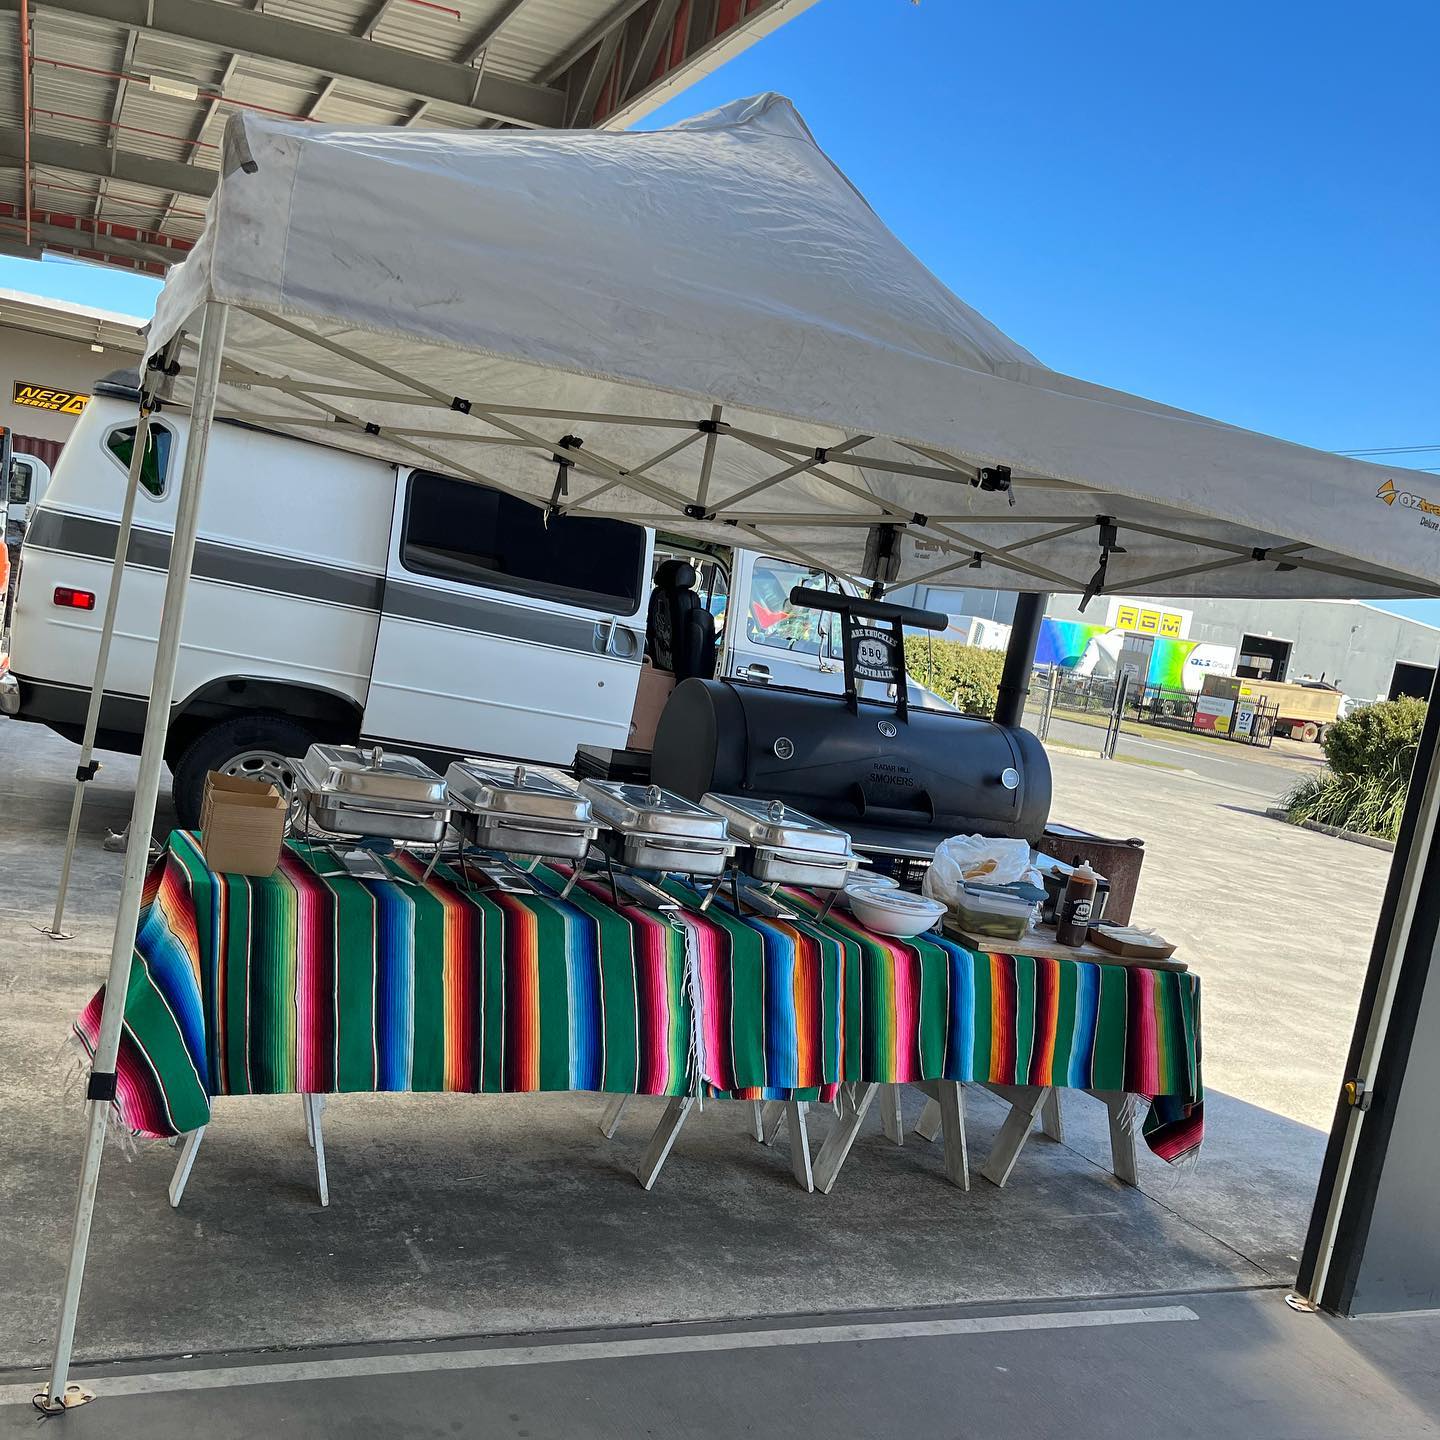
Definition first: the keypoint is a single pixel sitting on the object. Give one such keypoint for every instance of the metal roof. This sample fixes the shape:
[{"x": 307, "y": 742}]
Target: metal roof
[
  {"x": 66, "y": 320},
  {"x": 117, "y": 106}
]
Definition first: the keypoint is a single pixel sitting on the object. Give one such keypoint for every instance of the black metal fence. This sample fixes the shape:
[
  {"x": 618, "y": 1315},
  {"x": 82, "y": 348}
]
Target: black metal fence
[{"x": 1057, "y": 691}]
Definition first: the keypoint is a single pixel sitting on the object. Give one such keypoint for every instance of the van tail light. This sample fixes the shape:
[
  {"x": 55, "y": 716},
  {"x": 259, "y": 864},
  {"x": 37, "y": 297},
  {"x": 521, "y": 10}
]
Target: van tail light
[{"x": 69, "y": 599}]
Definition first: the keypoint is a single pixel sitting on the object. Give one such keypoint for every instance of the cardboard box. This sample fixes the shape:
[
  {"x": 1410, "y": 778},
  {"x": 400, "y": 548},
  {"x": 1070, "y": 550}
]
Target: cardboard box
[
  {"x": 242, "y": 825},
  {"x": 650, "y": 697}
]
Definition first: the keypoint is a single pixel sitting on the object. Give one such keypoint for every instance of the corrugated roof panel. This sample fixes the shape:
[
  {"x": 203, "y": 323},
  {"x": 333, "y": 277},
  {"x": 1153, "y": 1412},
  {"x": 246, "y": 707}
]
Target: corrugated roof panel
[{"x": 543, "y": 30}]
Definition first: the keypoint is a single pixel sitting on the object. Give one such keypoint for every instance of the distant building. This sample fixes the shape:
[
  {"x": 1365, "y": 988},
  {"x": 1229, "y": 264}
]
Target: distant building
[
  {"x": 51, "y": 354},
  {"x": 1368, "y": 653}
]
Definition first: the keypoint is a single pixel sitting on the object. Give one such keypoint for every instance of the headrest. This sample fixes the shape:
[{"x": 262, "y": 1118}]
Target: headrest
[{"x": 675, "y": 575}]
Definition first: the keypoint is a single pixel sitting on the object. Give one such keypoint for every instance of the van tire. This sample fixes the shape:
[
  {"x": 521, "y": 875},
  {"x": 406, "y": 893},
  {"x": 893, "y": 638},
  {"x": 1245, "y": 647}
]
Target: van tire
[{"x": 215, "y": 748}]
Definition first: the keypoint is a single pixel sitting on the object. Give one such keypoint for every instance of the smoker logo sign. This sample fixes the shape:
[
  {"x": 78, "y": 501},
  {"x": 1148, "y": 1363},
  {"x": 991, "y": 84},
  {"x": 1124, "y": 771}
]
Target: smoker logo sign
[
  {"x": 41, "y": 397},
  {"x": 873, "y": 655},
  {"x": 1428, "y": 510}
]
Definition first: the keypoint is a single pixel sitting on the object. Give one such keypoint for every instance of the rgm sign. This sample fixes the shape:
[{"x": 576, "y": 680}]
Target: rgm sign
[{"x": 42, "y": 397}]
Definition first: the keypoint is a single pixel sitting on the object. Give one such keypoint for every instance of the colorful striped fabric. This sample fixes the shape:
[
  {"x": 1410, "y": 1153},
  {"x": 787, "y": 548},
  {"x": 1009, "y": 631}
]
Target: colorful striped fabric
[
  {"x": 930, "y": 1009},
  {"x": 311, "y": 980}
]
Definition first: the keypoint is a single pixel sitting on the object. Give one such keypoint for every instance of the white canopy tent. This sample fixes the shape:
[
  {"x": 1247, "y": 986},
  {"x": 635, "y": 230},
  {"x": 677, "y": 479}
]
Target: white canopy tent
[{"x": 706, "y": 328}]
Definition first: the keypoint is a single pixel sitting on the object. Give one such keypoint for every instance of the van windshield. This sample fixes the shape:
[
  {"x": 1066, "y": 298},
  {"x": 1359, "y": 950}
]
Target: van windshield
[{"x": 459, "y": 531}]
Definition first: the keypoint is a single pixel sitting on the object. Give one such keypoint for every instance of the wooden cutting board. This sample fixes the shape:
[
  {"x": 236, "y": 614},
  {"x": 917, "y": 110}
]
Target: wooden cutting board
[{"x": 1042, "y": 941}]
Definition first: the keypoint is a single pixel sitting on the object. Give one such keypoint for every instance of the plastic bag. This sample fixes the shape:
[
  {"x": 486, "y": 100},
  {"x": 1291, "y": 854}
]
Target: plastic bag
[{"x": 977, "y": 859}]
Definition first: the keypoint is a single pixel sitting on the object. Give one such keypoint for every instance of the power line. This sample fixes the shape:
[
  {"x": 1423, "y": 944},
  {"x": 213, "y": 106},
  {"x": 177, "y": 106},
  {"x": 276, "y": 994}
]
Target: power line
[{"x": 1391, "y": 450}]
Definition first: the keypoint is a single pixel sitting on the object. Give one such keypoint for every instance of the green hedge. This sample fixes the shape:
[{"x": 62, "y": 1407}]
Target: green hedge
[
  {"x": 965, "y": 675},
  {"x": 1371, "y": 754}
]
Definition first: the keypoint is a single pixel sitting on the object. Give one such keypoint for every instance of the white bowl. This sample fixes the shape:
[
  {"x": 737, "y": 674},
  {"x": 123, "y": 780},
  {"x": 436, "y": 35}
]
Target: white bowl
[
  {"x": 862, "y": 882},
  {"x": 894, "y": 912}
]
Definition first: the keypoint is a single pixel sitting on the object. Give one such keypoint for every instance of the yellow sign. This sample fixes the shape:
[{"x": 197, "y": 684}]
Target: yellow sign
[
  {"x": 1141, "y": 620},
  {"x": 41, "y": 397}
]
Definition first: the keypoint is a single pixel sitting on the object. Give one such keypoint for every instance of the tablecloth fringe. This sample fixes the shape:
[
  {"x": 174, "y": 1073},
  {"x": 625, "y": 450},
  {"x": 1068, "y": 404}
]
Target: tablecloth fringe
[{"x": 75, "y": 1063}]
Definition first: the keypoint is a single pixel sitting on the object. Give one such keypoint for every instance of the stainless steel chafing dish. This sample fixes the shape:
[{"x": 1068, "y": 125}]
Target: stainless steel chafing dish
[
  {"x": 785, "y": 846},
  {"x": 653, "y": 829},
  {"x": 520, "y": 811},
  {"x": 364, "y": 792}
]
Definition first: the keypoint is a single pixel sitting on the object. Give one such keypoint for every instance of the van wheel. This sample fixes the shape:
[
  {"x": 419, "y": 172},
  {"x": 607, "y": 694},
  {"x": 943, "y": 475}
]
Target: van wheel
[{"x": 256, "y": 747}]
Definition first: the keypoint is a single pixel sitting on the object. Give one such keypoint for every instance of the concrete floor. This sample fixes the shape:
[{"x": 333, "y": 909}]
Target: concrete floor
[
  {"x": 457, "y": 1217},
  {"x": 1191, "y": 1367}
]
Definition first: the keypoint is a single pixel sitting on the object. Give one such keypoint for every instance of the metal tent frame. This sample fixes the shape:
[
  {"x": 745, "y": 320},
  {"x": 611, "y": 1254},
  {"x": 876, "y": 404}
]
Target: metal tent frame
[{"x": 823, "y": 482}]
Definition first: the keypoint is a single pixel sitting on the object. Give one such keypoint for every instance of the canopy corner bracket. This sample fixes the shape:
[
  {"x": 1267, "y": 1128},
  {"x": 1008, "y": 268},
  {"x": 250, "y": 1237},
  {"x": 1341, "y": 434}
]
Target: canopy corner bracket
[{"x": 1109, "y": 545}]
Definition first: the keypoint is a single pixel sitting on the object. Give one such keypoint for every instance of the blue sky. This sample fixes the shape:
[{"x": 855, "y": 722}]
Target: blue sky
[{"x": 1232, "y": 208}]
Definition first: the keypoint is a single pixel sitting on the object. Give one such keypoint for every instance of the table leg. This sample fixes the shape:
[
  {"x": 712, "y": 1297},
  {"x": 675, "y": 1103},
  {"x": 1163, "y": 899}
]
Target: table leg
[
  {"x": 800, "y": 1145},
  {"x": 928, "y": 1127},
  {"x": 1025, "y": 1103},
  {"x": 184, "y": 1164},
  {"x": 610, "y": 1117},
  {"x": 1123, "y": 1160},
  {"x": 772, "y": 1117},
  {"x": 891, "y": 1120},
  {"x": 757, "y": 1120},
  {"x": 309, "y": 1122},
  {"x": 842, "y": 1136},
  {"x": 314, "y": 1107},
  {"x": 951, "y": 1101},
  {"x": 1052, "y": 1123},
  {"x": 658, "y": 1150}
]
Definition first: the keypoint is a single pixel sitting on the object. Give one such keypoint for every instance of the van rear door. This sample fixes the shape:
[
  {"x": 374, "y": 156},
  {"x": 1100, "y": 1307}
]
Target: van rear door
[{"x": 501, "y": 634}]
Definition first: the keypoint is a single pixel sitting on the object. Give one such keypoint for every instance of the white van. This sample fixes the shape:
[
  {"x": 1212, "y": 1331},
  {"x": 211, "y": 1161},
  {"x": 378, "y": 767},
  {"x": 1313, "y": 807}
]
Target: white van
[{"x": 342, "y": 598}]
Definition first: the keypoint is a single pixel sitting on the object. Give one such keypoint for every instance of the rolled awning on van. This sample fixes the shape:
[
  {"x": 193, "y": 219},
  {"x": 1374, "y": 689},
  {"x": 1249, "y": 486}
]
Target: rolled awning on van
[{"x": 708, "y": 328}]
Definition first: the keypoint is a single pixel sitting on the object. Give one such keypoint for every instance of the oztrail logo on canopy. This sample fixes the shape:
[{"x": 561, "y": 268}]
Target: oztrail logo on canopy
[{"x": 1429, "y": 510}]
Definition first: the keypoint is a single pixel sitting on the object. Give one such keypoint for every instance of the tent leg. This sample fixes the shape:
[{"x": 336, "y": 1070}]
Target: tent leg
[
  {"x": 83, "y": 772},
  {"x": 142, "y": 819}
]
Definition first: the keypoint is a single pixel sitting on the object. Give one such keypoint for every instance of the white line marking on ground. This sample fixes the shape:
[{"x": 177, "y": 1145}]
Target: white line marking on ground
[{"x": 428, "y": 1361}]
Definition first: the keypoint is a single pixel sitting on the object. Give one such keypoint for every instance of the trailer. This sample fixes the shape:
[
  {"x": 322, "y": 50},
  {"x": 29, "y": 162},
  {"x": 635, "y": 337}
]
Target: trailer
[{"x": 1301, "y": 711}]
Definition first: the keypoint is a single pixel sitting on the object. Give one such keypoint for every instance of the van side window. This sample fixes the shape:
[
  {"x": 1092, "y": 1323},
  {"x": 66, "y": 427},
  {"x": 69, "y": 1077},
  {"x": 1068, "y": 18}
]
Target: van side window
[
  {"x": 772, "y": 620},
  {"x": 22, "y": 476},
  {"x": 155, "y": 468},
  {"x": 459, "y": 531}
]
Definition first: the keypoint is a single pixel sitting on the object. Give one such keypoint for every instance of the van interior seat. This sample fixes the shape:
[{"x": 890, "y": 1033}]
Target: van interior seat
[{"x": 679, "y": 630}]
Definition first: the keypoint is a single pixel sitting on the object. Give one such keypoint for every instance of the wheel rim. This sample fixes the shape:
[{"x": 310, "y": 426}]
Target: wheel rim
[{"x": 267, "y": 766}]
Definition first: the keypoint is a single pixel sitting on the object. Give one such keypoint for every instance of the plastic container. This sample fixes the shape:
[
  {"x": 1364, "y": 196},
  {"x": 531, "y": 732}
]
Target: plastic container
[
  {"x": 888, "y": 911},
  {"x": 991, "y": 914}
]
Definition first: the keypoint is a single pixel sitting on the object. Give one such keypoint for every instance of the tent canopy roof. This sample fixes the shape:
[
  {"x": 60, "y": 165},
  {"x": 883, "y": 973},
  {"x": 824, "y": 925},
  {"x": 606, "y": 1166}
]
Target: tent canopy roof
[{"x": 707, "y": 328}]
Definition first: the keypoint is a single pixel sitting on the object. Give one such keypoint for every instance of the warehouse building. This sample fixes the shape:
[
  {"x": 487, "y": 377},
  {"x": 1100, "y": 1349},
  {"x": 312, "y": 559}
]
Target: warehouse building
[
  {"x": 1366, "y": 652},
  {"x": 51, "y": 353}
]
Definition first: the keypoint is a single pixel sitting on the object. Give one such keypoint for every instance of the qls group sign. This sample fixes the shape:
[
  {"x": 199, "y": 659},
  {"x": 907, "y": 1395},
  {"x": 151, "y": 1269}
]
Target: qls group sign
[{"x": 42, "y": 397}]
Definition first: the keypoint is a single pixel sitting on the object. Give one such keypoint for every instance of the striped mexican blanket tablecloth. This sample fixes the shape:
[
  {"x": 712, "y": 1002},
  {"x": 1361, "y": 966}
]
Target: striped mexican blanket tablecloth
[
  {"x": 311, "y": 980},
  {"x": 900, "y": 1011}
]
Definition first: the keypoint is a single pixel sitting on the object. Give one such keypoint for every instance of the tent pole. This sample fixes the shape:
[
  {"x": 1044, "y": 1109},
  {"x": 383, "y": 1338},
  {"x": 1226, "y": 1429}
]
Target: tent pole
[
  {"x": 84, "y": 773},
  {"x": 1020, "y": 658},
  {"x": 137, "y": 851}
]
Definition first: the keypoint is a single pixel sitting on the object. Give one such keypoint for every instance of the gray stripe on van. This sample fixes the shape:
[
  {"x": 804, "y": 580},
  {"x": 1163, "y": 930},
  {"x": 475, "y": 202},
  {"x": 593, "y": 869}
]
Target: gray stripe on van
[
  {"x": 95, "y": 538},
  {"x": 511, "y": 622},
  {"x": 230, "y": 564}
]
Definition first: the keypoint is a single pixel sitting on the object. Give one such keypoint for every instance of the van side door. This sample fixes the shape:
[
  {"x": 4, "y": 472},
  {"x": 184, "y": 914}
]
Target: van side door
[{"x": 501, "y": 634}]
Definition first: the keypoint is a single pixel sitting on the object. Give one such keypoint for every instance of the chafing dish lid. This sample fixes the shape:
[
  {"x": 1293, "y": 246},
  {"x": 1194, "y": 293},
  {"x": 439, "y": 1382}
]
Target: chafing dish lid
[
  {"x": 495, "y": 787},
  {"x": 368, "y": 773},
  {"x": 648, "y": 810},
  {"x": 772, "y": 825}
]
